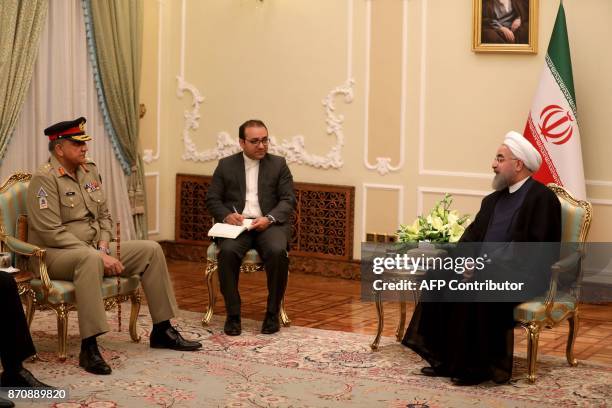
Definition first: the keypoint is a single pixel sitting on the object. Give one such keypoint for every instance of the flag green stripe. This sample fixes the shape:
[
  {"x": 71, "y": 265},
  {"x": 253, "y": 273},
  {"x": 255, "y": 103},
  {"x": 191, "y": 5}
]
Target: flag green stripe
[{"x": 559, "y": 52}]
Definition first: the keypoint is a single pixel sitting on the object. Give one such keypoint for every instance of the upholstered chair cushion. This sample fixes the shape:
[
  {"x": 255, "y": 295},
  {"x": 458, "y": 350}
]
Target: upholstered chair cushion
[
  {"x": 63, "y": 291},
  {"x": 534, "y": 311},
  {"x": 251, "y": 257}
]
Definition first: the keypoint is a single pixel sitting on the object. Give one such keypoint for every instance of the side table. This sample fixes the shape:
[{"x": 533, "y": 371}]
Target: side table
[{"x": 390, "y": 277}]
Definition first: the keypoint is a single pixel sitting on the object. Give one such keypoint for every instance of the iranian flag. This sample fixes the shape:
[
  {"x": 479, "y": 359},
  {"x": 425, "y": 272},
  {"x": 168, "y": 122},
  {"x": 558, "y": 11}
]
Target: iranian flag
[{"x": 552, "y": 125}]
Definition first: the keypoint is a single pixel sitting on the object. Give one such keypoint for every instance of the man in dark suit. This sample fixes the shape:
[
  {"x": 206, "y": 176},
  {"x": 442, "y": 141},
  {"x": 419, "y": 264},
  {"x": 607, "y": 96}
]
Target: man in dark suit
[
  {"x": 473, "y": 342},
  {"x": 258, "y": 185},
  {"x": 15, "y": 342}
]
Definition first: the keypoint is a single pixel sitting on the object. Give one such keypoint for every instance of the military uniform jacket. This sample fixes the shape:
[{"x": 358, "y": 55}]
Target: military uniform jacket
[{"x": 66, "y": 212}]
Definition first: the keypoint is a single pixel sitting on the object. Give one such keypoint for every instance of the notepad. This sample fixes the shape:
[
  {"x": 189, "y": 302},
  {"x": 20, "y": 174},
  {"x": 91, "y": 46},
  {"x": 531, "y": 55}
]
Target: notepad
[{"x": 222, "y": 230}]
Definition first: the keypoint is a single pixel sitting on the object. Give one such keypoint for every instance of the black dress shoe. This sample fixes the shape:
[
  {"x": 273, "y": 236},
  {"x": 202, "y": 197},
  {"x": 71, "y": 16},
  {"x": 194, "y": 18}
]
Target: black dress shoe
[
  {"x": 434, "y": 372},
  {"x": 232, "y": 326},
  {"x": 271, "y": 323},
  {"x": 91, "y": 360},
  {"x": 22, "y": 378},
  {"x": 170, "y": 338},
  {"x": 467, "y": 381},
  {"x": 4, "y": 403}
]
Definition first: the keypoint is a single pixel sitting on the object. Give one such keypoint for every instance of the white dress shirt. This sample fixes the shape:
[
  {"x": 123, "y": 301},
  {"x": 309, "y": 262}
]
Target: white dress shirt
[
  {"x": 251, "y": 206},
  {"x": 517, "y": 185}
]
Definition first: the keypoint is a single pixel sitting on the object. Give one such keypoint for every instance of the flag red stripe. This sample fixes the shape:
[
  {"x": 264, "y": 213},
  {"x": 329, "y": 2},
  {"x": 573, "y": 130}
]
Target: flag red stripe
[{"x": 547, "y": 172}]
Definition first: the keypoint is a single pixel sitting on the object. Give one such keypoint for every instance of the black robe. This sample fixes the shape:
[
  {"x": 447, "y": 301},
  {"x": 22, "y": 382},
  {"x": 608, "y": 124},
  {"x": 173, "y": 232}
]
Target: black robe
[
  {"x": 475, "y": 340},
  {"x": 15, "y": 342}
]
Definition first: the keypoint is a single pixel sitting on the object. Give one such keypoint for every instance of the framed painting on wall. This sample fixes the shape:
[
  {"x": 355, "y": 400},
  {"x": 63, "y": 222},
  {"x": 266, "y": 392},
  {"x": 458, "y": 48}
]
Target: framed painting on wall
[{"x": 505, "y": 26}]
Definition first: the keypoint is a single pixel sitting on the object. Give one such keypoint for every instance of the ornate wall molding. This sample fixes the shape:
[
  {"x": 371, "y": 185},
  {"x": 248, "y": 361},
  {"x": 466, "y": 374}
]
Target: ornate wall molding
[
  {"x": 455, "y": 191},
  {"x": 383, "y": 164},
  {"x": 364, "y": 201},
  {"x": 156, "y": 175},
  {"x": 293, "y": 149}
]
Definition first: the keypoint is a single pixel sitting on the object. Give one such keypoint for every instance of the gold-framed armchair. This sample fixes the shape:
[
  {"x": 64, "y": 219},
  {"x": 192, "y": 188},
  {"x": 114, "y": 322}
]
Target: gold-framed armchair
[
  {"x": 46, "y": 293},
  {"x": 251, "y": 262},
  {"x": 561, "y": 302}
]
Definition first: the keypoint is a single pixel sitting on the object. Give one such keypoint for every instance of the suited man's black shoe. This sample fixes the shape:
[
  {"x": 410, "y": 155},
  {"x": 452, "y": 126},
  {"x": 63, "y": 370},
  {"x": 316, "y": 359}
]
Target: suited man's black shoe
[
  {"x": 232, "y": 326},
  {"x": 170, "y": 338},
  {"x": 22, "y": 378},
  {"x": 271, "y": 323},
  {"x": 4, "y": 403},
  {"x": 91, "y": 360}
]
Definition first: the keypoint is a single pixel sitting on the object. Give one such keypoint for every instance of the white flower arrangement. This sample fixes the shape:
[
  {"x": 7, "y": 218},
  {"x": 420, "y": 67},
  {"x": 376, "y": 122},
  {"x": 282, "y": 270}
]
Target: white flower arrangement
[{"x": 440, "y": 225}]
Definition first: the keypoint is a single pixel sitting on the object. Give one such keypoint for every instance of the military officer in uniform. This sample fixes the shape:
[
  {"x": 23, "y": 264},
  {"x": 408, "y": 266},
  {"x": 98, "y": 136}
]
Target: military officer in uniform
[{"x": 68, "y": 216}]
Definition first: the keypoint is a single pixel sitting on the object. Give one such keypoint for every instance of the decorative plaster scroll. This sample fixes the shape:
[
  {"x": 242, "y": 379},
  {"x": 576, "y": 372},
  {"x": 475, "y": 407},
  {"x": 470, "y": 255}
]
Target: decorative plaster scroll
[
  {"x": 383, "y": 164},
  {"x": 294, "y": 149}
]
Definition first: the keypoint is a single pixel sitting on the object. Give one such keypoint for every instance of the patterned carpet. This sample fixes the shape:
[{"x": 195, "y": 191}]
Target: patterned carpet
[{"x": 299, "y": 367}]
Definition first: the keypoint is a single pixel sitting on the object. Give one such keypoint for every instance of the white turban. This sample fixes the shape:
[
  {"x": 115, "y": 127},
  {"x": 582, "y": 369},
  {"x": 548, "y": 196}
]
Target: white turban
[{"x": 523, "y": 150}]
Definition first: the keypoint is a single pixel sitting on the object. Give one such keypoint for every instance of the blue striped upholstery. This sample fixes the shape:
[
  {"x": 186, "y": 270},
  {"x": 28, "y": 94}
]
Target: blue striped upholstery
[
  {"x": 64, "y": 290},
  {"x": 12, "y": 204},
  {"x": 572, "y": 219},
  {"x": 534, "y": 311}
]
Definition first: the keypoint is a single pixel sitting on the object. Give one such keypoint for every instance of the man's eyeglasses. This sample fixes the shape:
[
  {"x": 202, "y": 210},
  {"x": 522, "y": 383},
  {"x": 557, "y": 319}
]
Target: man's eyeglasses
[
  {"x": 264, "y": 141},
  {"x": 500, "y": 159}
]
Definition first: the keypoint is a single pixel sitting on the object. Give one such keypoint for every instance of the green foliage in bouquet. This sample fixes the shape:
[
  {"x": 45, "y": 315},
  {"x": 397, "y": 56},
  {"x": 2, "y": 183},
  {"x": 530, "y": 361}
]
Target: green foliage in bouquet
[{"x": 440, "y": 225}]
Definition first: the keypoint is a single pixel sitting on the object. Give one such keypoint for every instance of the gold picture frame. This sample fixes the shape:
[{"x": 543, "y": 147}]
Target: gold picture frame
[{"x": 492, "y": 35}]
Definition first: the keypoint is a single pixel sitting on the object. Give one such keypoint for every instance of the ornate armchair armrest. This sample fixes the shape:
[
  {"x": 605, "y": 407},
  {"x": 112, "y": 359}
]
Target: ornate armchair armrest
[
  {"x": 23, "y": 248},
  {"x": 20, "y": 247},
  {"x": 564, "y": 265}
]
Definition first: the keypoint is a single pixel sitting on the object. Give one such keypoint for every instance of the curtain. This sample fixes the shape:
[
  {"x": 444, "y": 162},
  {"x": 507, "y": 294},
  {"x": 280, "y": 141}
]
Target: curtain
[
  {"x": 62, "y": 88},
  {"x": 20, "y": 26},
  {"x": 117, "y": 37}
]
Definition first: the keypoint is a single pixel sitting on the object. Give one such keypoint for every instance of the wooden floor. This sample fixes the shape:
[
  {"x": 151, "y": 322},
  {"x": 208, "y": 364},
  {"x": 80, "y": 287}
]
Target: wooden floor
[{"x": 335, "y": 304}]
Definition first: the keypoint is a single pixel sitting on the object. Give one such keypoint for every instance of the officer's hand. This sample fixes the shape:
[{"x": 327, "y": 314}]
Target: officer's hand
[
  {"x": 260, "y": 223},
  {"x": 112, "y": 266},
  {"x": 234, "y": 219}
]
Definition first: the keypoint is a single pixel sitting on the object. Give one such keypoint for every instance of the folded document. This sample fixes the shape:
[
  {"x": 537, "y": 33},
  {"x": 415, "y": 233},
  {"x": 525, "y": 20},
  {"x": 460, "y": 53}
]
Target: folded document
[{"x": 222, "y": 230}]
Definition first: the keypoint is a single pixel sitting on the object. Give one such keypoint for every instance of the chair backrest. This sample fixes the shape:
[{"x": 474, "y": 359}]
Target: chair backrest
[
  {"x": 13, "y": 201},
  {"x": 576, "y": 215}
]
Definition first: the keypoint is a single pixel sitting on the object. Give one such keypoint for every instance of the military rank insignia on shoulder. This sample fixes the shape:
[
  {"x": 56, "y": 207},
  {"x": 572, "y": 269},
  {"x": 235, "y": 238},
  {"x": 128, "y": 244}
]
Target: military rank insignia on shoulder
[{"x": 45, "y": 168}]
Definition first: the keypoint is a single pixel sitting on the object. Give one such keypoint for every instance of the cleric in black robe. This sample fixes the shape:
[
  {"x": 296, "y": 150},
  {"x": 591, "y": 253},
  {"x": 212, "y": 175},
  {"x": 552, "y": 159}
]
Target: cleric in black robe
[
  {"x": 473, "y": 342},
  {"x": 15, "y": 342}
]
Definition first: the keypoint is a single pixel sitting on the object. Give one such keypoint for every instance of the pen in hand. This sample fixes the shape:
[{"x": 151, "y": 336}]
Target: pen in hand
[{"x": 234, "y": 218}]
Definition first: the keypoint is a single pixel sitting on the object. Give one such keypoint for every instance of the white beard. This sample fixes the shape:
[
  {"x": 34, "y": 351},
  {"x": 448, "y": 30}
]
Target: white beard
[{"x": 499, "y": 182}]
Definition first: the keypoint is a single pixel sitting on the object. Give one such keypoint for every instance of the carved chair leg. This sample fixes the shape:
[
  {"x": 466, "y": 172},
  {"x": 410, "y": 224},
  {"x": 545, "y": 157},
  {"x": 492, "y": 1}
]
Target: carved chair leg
[
  {"x": 62, "y": 330},
  {"x": 211, "y": 268},
  {"x": 135, "y": 299},
  {"x": 30, "y": 309},
  {"x": 284, "y": 318},
  {"x": 381, "y": 320},
  {"x": 533, "y": 336},
  {"x": 571, "y": 338},
  {"x": 399, "y": 334}
]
